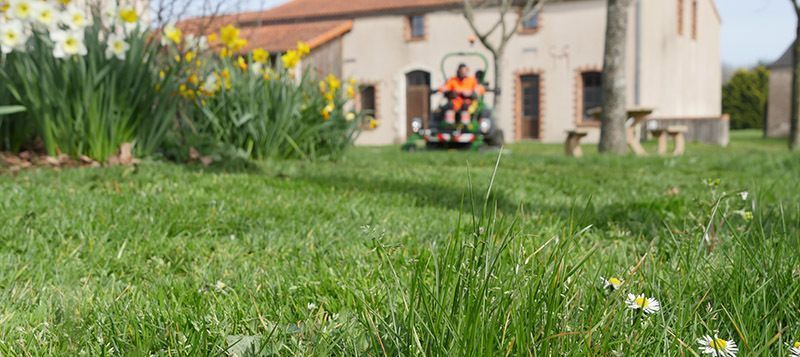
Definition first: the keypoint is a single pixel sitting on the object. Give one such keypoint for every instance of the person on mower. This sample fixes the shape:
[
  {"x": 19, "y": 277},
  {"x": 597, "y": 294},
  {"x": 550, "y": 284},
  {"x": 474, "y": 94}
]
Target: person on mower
[{"x": 461, "y": 90}]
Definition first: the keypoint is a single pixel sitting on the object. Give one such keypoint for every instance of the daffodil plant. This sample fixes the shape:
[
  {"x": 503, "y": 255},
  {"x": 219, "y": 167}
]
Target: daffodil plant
[
  {"x": 87, "y": 75},
  {"x": 255, "y": 103}
]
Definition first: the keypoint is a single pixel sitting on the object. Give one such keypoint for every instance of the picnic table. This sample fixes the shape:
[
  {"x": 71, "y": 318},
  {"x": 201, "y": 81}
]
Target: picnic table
[
  {"x": 677, "y": 132},
  {"x": 636, "y": 115}
]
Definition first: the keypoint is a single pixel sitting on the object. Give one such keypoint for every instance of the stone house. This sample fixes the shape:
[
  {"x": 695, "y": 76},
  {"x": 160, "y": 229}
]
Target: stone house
[{"x": 552, "y": 67}]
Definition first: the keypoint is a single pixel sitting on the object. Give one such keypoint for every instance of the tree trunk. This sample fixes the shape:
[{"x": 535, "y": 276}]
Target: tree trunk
[
  {"x": 614, "y": 115},
  {"x": 794, "y": 119},
  {"x": 498, "y": 83}
]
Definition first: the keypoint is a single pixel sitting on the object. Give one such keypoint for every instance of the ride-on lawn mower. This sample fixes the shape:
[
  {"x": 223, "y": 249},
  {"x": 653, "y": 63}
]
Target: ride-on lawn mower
[{"x": 446, "y": 131}]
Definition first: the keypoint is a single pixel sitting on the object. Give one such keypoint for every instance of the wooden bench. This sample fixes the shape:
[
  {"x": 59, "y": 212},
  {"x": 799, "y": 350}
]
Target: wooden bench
[
  {"x": 572, "y": 147},
  {"x": 677, "y": 132}
]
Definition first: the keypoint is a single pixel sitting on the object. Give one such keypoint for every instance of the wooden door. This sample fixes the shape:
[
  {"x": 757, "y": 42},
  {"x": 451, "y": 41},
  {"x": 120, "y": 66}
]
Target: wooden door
[
  {"x": 530, "y": 113},
  {"x": 418, "y": 86}
]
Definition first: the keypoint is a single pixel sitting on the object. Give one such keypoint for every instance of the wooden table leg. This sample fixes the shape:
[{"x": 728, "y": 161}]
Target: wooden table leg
[
  {"x": 662, "y": 142},
  {"x": 680, "y": 144},
  {"x": 636, "y": 146},
  {"x": 572, "y": 147}
]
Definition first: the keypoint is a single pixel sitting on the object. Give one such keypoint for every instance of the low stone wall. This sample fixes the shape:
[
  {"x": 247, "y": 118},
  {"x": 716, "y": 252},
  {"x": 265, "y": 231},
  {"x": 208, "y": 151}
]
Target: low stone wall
[{"x": 714, "y": 131}]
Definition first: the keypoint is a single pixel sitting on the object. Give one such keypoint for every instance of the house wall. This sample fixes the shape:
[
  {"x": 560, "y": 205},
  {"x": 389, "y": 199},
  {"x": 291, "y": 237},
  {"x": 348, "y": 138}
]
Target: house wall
[
  {"x": 326, "y": 59},
  {"x": 779, "y": 105},
  {"x": 679, "y": 77}
]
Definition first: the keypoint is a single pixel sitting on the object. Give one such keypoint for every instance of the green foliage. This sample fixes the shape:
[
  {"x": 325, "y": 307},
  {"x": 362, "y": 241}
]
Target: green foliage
[
  {"x": 273, "y": 115},
  {"x": 744, "y": 97},
  {"x": 88, "y": 105}
]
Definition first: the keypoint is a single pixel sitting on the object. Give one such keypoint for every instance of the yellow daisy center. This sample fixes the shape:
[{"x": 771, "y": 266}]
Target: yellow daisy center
[
  {"x": 10, "y": 36},
  {"x": 797, "y": 344},
  {"x": 119, "y": 46},
  {"x": 614, "y": 281},
  {"x": 718, "y": 344},
  {"x": 642, "y": 302},
  {"x": 77, "y": 19}
]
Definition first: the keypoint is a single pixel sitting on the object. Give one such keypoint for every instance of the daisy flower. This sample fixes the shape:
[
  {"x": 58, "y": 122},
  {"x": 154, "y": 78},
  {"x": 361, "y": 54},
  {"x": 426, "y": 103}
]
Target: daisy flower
[
  {"x": 794, "y": 351},
  {"x": 717, "y": 347},
  {"x": 646, "y": 304},
  {"x": 612, "y": 283},
  {"x": 744, "y": 195}
]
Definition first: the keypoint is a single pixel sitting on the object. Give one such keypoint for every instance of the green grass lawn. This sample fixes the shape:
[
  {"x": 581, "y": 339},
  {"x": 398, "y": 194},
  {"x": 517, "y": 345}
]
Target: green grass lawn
[{"x": 399, "y": 254}]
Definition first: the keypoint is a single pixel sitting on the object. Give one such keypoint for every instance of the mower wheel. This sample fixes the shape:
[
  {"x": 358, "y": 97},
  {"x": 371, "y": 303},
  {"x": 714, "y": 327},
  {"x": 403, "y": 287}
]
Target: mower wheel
[{"x": 496, "y": 138}]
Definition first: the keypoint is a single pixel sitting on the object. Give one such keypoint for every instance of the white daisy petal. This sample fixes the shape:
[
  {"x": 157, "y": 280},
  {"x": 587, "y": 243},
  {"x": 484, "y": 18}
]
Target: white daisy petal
[
  {"x": 794, "y": 351},
  {"x": 643, "y": 303},
  {"x": 717, "y": 347}
]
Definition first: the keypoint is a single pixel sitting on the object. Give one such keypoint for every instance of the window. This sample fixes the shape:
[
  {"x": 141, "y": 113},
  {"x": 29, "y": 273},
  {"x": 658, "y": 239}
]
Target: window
[
  {"x": 416, "y": 27},
  {"x": 530, "y": 96},
  {"x": 592, "y": 89},
  {"x": 366, "y": 94},
  {"x": 694, "y": 19},
  {"x": 680, "y": 17},
  {"x": 531, "y": 24}
]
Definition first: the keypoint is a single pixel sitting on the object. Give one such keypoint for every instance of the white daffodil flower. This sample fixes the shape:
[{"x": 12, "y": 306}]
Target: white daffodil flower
[
  {"x": 117, "y": 47},
  {"x": 211, "y": 84},
  {"x": 68, "y": 43},
  {"x": 45, "y": 15},
  {"x": 13, "y": 36},
  {"x": 76, "y": 18},
  {"x": 109, "y": 13},
  {"x": 20, "y": 9}
]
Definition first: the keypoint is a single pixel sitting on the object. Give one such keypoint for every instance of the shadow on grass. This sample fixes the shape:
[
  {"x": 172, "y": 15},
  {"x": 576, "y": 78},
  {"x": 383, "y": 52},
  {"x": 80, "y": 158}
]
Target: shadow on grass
[
  {"x": 640, "y": 218},
  {"x": 452, "y": 197},
  {"x": 227, "y": 166}
]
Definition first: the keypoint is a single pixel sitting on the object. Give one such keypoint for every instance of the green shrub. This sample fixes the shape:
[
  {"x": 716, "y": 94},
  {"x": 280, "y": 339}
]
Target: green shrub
[
  {"x": 744, "y": 97},
  {"x": 87, "y": 87}
]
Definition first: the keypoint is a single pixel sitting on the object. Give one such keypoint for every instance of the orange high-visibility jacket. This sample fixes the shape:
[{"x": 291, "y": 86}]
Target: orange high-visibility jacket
[{"x": 459, "y": 85}]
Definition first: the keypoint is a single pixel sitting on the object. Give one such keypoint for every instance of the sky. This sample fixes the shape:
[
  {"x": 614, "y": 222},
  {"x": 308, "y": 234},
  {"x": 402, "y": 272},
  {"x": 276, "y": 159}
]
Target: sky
[{"x": 752, "y": 30}]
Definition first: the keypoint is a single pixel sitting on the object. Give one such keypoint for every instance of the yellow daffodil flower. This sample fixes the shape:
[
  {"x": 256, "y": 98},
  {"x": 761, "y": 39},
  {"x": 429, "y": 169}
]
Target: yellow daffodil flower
[
  {"x": 260, "y": 55},
  {"x": 290, "y": 59},
  {"x": 128, "y": 15},
  {"x": 303, "y": 49}
]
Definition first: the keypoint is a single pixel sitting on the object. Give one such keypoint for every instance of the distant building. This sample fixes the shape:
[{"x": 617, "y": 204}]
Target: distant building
[
  {"x": 552, "y": 70},
  {"x": 779, "y": 103}
]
